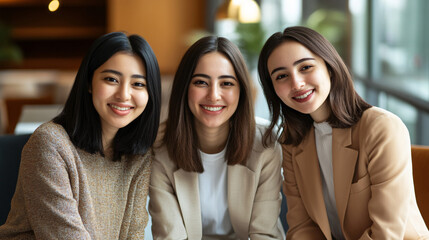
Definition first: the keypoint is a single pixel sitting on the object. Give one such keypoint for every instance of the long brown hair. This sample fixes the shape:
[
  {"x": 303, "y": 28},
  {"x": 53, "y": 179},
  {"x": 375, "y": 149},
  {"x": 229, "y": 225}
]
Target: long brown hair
[
  {"x": 180, "y": 136},
  {"x": 346, "y": 105}
]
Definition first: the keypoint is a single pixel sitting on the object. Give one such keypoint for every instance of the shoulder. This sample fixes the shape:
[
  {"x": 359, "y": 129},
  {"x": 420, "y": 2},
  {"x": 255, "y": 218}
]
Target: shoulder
[
  {"x": 161, "y": 159},
  {"x": 140, "y": 162},
  {"x": 378, "y": 114},
  {"x": 261, "y": 127},
  {"x": 262, "y": 155},
  {"x": 378, "y": 127},
  {"x": 48, "y": 135},
  {"x": 379, "y": 120}
]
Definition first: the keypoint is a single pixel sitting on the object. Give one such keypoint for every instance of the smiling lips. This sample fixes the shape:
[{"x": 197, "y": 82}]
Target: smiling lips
[
  {"x": 212, "y": 108},
  {"x": 120, "y": 110},
  {"x": 304, "y": 96}
]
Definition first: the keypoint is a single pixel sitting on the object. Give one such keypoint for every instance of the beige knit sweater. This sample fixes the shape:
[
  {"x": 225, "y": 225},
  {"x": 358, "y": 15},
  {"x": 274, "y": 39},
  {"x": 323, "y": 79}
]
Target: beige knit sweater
[{"x": 66, "y": 193}]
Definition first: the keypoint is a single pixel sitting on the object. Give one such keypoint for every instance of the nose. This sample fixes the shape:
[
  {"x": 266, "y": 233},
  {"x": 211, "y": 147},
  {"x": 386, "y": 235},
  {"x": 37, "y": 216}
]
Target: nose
[
  {"x": 297, "y": 82},
  {"x": 123, "y": 93},
  {"x": 214, "y": 93}
]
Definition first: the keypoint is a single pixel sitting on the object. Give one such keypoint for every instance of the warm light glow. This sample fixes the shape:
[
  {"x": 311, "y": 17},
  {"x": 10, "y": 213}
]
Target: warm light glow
[
  {"x": 233, "y": 8},
  {"x": 249, "y": 12},
  {"x": 53, "y": 5}
]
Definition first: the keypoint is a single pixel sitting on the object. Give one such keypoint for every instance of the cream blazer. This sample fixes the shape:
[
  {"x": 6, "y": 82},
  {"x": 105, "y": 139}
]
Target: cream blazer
[
  {"x": 373, "y": 183},
  {"x": 253, "y": 196}
]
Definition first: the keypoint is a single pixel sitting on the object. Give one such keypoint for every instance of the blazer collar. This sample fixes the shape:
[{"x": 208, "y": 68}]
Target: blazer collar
[
  {"x": 241, "y": 184},
  {"x": 189, "y": 201},
  {"x": 344, "y": 160},
  {"x": 241, "y": 189},
  {"x": 309, "y": 172}
]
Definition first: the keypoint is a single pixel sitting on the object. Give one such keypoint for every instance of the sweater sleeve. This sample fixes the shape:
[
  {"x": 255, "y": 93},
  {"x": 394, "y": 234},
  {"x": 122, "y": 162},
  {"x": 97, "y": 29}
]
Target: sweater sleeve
[
  {"x": 50, "y": 204},
  {"x": 136, "y": 216}
]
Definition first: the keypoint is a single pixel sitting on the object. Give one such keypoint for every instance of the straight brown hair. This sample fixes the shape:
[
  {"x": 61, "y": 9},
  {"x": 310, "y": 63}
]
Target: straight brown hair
[
  {"x": 180, "y": 136},
  {"x": 346, "y": 105}
]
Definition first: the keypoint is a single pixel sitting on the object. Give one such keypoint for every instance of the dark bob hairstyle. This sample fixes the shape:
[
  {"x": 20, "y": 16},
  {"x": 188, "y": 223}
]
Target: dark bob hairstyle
[
  {"x": 346, "y": 105},
  {"x": 180, "y": 135},
  {"x": 79, "y": 116}
]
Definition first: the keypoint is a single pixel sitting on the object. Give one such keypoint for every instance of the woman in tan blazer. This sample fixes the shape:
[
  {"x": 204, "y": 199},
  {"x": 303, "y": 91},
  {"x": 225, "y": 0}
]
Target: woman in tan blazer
[
  {"x": 347, "y": 165},
  {"x": 212, "y": 178}
]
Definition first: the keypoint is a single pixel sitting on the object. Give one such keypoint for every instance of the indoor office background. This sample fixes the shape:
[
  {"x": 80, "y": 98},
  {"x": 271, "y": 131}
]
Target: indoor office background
[{"x": 384, "y": 43}]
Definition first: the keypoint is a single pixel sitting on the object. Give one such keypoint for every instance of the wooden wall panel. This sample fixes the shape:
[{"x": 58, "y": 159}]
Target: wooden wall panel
[{"x": 165, "y": 24}]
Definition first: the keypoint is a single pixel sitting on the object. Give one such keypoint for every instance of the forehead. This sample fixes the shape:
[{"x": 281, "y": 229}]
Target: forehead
[
  {"x": 124, "y": 61},
  {"x": 288, "y": 52},
  {"x": 214, "y": 62}
]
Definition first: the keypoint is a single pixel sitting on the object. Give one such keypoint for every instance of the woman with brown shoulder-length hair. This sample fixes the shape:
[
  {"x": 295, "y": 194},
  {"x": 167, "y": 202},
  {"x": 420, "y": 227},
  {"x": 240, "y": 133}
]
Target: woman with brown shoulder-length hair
[
  {"x": 347, "y": 164},
  {"x": 212, "y": 176}
]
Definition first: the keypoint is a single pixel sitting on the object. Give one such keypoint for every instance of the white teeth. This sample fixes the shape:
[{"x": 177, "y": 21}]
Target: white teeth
[
  {"x": 120, "y": 108},
  {"x": 304, "y": 95},
  {"x": 212, "y": 109}
]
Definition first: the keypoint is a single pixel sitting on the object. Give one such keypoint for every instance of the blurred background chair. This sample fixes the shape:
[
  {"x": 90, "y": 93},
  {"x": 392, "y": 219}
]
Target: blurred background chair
[
  {"x": 10, "y": 158},
  {"x": 420, "y": 156}
]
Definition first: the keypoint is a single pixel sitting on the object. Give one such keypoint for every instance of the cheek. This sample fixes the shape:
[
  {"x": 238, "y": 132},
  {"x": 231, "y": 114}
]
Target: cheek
[
  {"x": 99, "y": 93},
  {"x": 281, "y": 90},
  {"x": 235, "y": 96},
  {"x": 143, "y": 98},
  {"x": 193, "y": 95}
]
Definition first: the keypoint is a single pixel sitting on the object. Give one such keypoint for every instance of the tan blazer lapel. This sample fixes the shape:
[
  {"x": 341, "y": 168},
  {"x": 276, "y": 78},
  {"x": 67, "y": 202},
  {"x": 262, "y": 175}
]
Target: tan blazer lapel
[
  {"x": 310, "y": 179},
  {"x": 241, "y": 189},
  {"x": 189, "y": 201},
  {"x": 344, "y": 162}
]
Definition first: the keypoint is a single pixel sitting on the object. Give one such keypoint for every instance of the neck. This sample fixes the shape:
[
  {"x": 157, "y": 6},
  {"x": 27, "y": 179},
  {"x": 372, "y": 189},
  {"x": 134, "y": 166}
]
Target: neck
[
  {"x": 322, "y": 114},
  {"x": 212, "y": 140},
  {"x": 107, "y": 139}
]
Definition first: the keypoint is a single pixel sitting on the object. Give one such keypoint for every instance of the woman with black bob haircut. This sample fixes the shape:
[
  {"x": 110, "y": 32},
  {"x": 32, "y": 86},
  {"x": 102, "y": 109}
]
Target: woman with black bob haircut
[
  {"x": 346, "y": 164},
  {"x": 86, "y": 173},
  {"x": 79, "y": 117},
  {"x": 212, "y": 178}
]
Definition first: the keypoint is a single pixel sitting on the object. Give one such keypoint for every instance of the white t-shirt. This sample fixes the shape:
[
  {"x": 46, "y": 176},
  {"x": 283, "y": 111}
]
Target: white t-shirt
[{"x": 213, "y": 194}]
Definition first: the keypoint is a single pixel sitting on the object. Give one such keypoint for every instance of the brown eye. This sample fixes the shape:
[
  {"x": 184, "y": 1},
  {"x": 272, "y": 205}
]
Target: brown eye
[
  {"x": 200, "y": 82},
  {"x": 139, "y": 84},
  {"x": 110, "y": 79},
  {"x": 280, "y": 76},
  {"x": 306, "y": 68}
]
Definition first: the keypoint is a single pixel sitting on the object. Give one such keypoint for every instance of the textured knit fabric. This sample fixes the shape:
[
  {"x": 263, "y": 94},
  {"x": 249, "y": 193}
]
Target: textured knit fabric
[{"x": 66, "y": 193}]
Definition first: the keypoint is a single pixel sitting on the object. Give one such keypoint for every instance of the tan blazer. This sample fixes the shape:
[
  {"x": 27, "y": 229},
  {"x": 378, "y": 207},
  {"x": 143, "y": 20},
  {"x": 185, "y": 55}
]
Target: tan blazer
[
  {"x": 253, "y": 196},
  {"x": 373, "y": 183}
]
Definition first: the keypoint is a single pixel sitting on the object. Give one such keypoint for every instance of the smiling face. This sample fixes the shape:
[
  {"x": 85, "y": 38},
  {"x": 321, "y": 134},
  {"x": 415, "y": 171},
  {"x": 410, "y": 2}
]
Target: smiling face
[
  {"x": 301, "y": 79},
  {"x": 214, "y": 91},
  {"x": 119, "y": 92}
]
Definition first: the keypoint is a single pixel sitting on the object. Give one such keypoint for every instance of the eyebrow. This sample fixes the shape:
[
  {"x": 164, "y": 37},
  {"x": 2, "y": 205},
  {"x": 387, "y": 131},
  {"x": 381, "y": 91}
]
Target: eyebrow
[
  {"x": 120, "y": 74},
  {"x": 294, "y": 64},
  {"x": 208, "y": 77}
]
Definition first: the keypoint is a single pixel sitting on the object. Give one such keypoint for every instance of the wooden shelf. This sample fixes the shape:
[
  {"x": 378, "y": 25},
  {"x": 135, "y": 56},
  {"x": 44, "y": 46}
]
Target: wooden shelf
[
  {"x": 50, "y": 40},
  {"x": 45, "y": 63},
  {"x": 15, "y": 3},
  {"x": 56, "y": 32}
]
